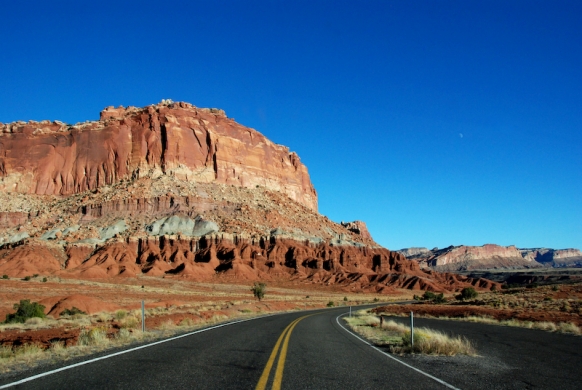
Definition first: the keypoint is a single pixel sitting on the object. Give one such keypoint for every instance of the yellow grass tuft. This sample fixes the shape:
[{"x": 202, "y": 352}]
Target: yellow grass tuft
[
  {"x": 94, "y": 337},
  {"x": 120, "y": 314},
  {"x": 433, "y": 342},
  {"x": 28, "y": 351},
  {"x": 130, "y": 323},
  {"x": 568, "y": 327},
  {"x": 397, "y": 337},
  {"x": 6, "y": 352},
  {"x": 186, "y": 322}
]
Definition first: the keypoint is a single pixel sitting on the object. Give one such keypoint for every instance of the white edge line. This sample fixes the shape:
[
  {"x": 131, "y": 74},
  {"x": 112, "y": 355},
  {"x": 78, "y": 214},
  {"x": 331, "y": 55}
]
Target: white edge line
[
  {"x": 392, "y": 357},
  {"x": 125, "y": 351}
]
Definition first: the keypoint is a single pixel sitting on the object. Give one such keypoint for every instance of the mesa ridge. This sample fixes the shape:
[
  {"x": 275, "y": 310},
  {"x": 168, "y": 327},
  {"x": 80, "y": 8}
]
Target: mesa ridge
[{"x": 175, "y": 191}]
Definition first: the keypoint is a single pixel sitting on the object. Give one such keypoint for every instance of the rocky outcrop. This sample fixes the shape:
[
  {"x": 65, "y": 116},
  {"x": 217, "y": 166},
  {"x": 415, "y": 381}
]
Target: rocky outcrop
[
  {"x": 124, "y": 197},
  {"x": 182, "y": 225},
  {"x": 415, "y": 252},
  {"x": 176, "y": 139},
  {"x": 554, "y": 257},
  {"x": 227, "y": 257},
  {"x": 466, "y": 258},
  {"x": 358, "y": 227},
  {"x": 490, "y": 256}
]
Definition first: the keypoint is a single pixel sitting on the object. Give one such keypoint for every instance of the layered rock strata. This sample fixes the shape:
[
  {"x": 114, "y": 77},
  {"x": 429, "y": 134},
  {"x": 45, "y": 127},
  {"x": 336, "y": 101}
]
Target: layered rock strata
[
  {"x": 554, "y": 257},
  {"x": 358, "y": 227},
  {"x": 489, "y": 256},
  {"x": 177, "y": 139},
  {"x": 171, "y": 190},
  {"x": 224, "y": 257},
  {"x": 464, "y": 258}
]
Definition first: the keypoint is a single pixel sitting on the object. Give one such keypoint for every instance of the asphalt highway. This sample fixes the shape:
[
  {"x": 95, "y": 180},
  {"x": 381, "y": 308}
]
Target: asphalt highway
[{"x": 302, "y": 350}]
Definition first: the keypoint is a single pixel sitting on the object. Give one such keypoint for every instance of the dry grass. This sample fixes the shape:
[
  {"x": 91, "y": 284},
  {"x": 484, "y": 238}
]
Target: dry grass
[
  {"x": 120, "y": 314},
  {"x": 186, "y": 322},
  {"x": 167, "y": 325},
  {"x": 5, "y": 352},
  {"x": 561, "y": 327},
  {"x": 58, "y": 348},
  {"x": 130, "y": 323},
  {"x": 89, "y": 342},
  {"x": 193, "y": 299},
  {"x": 432, "y": 342},
  {"x": 397, "y": 337},
  {"x": 93, "y": 337},
  {"x": 124, "y": 336},
  {"x": 28, "y": 352}
]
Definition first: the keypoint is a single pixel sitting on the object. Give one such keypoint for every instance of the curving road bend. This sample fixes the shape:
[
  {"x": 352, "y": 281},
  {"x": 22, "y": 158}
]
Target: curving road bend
[{"x": 302, "y": 350}]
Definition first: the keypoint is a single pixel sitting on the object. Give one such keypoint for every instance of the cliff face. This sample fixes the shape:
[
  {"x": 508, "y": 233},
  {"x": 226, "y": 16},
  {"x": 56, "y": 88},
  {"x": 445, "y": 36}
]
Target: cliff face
[
  {"x": 228, "y": 257},
  {"x": 474, "y": 253},
  {"x": 175, "y": 191},
  {"x": 358, "y": 227},
  {"x": 554, "y": 257},
  {"x": 176, "y": 139},
  {"x": 462, "y": 258},
  {"x": 490, "y": 256}
]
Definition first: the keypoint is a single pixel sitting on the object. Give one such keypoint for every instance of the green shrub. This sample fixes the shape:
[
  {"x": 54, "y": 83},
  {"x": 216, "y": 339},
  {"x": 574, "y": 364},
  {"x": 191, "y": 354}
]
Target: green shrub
[
  {"x": 44, "y": 280},
  {"x": 5, "y": 276},
  {"x": 554, "y": 287},
  {"x": 27, "y": 278},
  {"x": 345, "y": 299},
  {"x": 376, "y": 299},
  {"x": 434, "y": 298},
  {"x": 428, "y": 296},
  {"x": 120, "y": 314},
  {"x": 71, "y": 312},
  {"x": 330, "y": 304},
  {"x": 35, "y": 275},
  {"x": 467, "y": 293},
  {"x": 258, "y": 289},
  {"x": 25, "y": 310}
]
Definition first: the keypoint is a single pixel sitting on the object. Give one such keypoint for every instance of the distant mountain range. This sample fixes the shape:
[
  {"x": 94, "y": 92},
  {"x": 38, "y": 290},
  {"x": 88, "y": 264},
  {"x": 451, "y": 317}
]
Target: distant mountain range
[{"x": 491, "y": 256}]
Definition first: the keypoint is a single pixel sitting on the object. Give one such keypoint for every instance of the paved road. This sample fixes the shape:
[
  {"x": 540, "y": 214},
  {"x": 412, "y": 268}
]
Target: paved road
[
  {"x": 307, "y": 350},
  {"x": 510, "y": 358}
]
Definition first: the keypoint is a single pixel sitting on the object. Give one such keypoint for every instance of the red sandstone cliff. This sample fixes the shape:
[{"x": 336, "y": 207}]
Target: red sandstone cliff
[
  {"x": 214, "y": 257},
  {"x": 176, "y": 191},
  {"x": 463, "y": 258},
  {"x": 554, "y": 257},
  {"x": 177, "y": 139},
  {"x": 490, "y": 256}
]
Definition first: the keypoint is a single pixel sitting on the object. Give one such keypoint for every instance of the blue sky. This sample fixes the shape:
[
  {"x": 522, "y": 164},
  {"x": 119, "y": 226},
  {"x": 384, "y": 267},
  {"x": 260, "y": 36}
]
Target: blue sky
[{"x": 436, "y": 122}]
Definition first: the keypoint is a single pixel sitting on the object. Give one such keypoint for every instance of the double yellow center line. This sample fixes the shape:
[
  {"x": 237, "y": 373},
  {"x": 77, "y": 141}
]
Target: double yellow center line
[{"x": 282, "y": 356}]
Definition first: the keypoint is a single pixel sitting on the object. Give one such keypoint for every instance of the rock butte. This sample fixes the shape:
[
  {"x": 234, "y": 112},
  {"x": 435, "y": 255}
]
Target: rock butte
[
  {"x": 491, "y": 256},
  {"x": 91, "y": 200},
  {"x": 178, "y": 139}
]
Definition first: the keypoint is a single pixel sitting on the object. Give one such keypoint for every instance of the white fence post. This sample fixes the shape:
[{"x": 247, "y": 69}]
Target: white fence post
[{"x": 411, "y": 330}]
